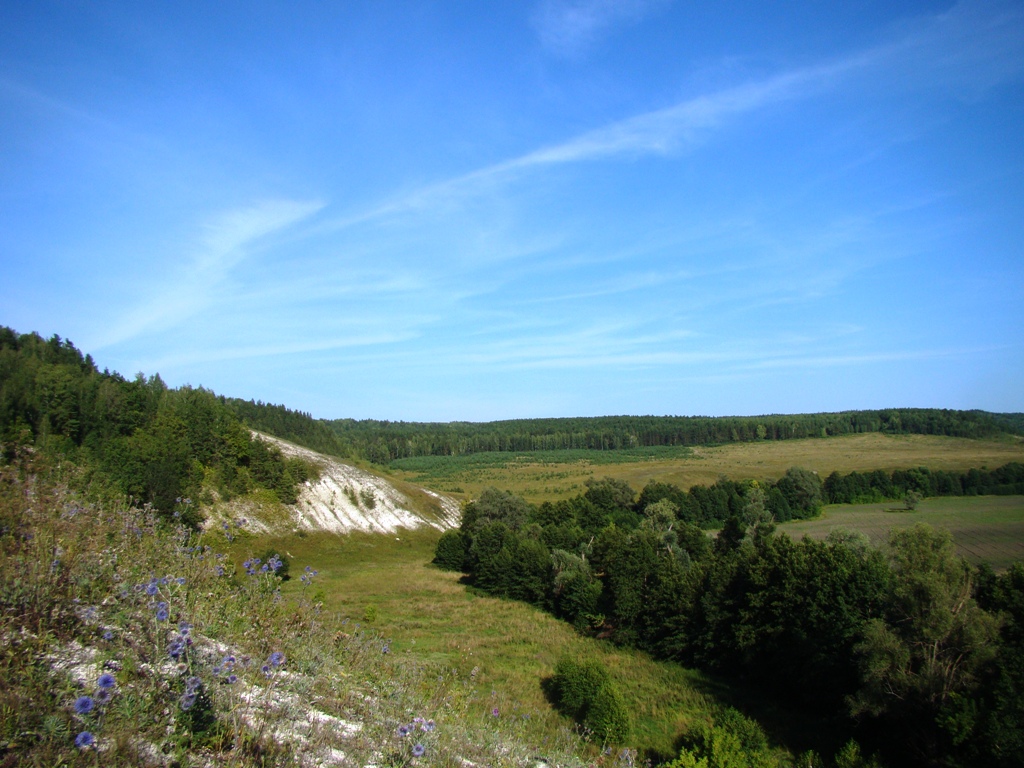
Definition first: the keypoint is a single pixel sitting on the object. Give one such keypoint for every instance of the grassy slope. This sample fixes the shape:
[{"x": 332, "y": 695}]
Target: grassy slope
[
  {"x": 433, "y": 618},
  {"x": 985, "y": 528},
  {"x": 541, "y": 477}
]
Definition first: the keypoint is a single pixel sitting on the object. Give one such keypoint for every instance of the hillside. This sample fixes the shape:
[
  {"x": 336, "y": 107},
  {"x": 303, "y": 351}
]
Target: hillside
[{"x": 342, "y": 499}]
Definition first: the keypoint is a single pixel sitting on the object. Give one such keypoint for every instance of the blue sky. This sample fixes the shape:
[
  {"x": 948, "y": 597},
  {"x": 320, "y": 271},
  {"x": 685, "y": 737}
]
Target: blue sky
[{"x": 476, "y": 211}]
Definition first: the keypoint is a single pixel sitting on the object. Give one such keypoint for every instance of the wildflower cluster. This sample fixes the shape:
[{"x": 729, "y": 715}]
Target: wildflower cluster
[
  {"x": 89, "y": 709},
  {"x": 307, "y": 576},
  {"x": 413, "y": 734},
  {"x": 275, "y": 660}
]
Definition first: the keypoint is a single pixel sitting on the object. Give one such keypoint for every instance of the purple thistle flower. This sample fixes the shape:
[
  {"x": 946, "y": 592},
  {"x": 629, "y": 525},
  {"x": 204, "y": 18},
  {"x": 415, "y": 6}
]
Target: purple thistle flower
[
  {"x": 404, "y": 730},
  {"x": 162, "y": 614},
  {"x": 108, "y": 635},
  {"x": 152, "y": 588},
  {"x": 495, "y": 712},
  {"x": 232, "y": 678},
  {"x": 106, "y": 680},
  {"x": 265, "y": 669},
  {"x": 186, "y": 701},
  {"x": 84, "y": 740},
  {"x": 276, "y": 658},
  {"x": 418, "y": 750},
  {"x": 180, "y": 580},
  {"x": 83, "y": 705},
  {"x": 428, "y": 726}
]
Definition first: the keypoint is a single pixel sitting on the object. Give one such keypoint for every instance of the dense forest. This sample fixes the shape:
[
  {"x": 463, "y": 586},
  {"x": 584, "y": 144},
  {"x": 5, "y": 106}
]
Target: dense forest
[
  {"x": 135, "y": 437},
  {"x": 384, "y": 441},
  {"x": 910, "y": 650}
]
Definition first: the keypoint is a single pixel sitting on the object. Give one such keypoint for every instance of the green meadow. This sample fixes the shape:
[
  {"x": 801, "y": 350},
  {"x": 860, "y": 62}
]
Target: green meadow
[
  {"x": 506, "y": 647},
  {"x": 550, "y": 475},
  {"x": 986, "y": 529}
]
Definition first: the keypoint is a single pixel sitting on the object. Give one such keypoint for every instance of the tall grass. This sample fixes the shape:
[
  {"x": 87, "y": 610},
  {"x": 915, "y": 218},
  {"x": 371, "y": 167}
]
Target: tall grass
[{"x": 124, "y": 641}]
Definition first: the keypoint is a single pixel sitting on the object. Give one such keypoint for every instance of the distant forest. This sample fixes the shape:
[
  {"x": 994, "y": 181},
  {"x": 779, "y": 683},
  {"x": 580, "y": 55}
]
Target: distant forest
[
  {"x": 385, "y": 441},
  {"x": 382, "y": 442},
  {"x": 138, "y": 438}
]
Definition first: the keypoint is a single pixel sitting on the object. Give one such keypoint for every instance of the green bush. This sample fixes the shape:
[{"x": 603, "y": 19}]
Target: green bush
[
  {"x": 450, "y": 551},
  {"x": 607, "y": 717},
  {"x": 583, "y": 690},
  {"x": 576, "y": 684}
]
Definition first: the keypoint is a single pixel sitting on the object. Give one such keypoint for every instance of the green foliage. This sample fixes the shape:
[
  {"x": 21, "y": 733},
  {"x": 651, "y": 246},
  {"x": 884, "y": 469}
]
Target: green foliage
[
  {"x": 575, "y": 685},
  {"x": 730, "y": 742},
  {"x": 151, "y": 443},
  {"x": 926, "y": 652},
  {"x": 583, "y": 690},
  {"x": 495, "y": 506},
  {"x": 607, "y": 717},
  {"x": 450, "y": 552},
  {"x": 386, "y": 441},
  {"x": 802, "y": 490}
]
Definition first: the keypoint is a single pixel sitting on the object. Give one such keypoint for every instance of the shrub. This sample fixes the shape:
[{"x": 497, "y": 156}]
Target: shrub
[
  {"x": 606, "y": 716},
  {"x": 576, "y": 684},
  {"x": 450, "y": 551}
]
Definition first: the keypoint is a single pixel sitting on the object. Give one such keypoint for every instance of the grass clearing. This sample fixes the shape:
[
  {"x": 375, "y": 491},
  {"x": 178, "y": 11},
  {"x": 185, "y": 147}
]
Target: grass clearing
[
  {"x": 551, "y": 475},
  {"x": 985, "y": 528},
  {"x": 432, "y": 618}
]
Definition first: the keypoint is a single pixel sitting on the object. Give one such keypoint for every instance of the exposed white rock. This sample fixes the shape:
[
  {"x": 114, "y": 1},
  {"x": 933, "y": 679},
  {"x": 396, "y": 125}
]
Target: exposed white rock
[{"x": 345, "y": 498}]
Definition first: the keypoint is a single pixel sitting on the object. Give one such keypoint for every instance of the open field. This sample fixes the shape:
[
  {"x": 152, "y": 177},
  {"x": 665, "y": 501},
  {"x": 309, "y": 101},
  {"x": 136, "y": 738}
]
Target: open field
[
  {"x": 985, "y": 528},
  {"x": 551, "y": 475},
  {"x": 434, "y": 619},
  {"x": 386, "y": 581}
]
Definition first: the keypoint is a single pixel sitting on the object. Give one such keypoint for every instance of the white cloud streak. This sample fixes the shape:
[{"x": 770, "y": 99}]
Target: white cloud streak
[
  {"x": 226, "y": 240},
  {"x": 973, "y": 46},
  {"x": 570, "y": 27}
]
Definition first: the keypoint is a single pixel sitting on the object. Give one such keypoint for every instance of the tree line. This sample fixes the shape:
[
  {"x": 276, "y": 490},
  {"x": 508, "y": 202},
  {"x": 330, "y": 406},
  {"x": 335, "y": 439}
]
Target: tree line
[
  {"x": 135, "y": 437},
  {"x": 917, "y": 654},
  {"x": 385, "y": 441},
  {"x": 867, "y": 487}
]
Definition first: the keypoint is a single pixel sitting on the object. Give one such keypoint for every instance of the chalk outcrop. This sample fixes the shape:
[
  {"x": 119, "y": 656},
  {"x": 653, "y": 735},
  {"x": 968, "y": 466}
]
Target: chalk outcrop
[{"x": 346, "y": 498}]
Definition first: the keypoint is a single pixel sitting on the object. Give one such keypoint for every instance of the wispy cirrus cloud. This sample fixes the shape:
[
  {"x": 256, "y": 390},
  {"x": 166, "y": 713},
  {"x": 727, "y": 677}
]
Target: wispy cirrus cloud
[
  {"x": 974, "y": 45},
  {"x": 226, "y": 239},
  {"x": 570, "y": 27}
]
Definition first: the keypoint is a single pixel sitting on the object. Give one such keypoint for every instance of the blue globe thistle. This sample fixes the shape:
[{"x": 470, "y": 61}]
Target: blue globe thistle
[
  {"x": 162, "y": 614},
  {"x": 152, "y": 588},
  {"x": 232, "y": 678},
  {"x": 186, "y": 701},
  {"x": 84, "y": 740},
  {"x": 276, "y": 658},
  {"x": 418, "y": 750},
  {"x": 428, "y": 726},
  {"x": 404, "y": 730},
  {"x": 84, "y": 705},
  {"x": 106, "y": 680}
]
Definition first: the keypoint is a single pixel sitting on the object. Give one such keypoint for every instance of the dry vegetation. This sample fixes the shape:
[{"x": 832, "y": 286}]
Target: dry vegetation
[{"x": 546, "y": 479}]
